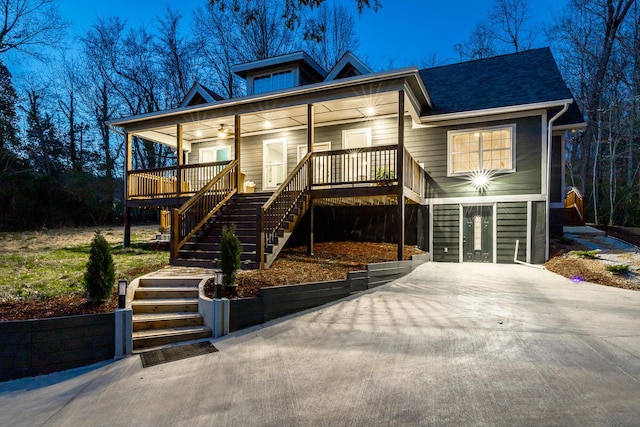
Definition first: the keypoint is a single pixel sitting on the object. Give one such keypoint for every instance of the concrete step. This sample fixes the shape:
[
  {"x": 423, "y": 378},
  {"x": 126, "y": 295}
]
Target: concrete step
[
  {"x": 170, "y": 305},
  {"x": 165, "y": 292},
  {"x": 150, "y": 321},
  {"x": 153, "y": 338}
]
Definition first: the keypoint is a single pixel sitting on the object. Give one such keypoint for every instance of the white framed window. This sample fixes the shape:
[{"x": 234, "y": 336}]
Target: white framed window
[
  {"x": 273, "y": 81},
  {"x": 275, "y": 162},
  {"x": 215, "y": 154},
  {"x": 485, "y": 149}
]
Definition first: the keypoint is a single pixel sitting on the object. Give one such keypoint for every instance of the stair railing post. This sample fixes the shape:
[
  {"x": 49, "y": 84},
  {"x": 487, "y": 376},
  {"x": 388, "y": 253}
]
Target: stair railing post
[
  {"x": 175, "y": 233},
  {"x": 260, "y": 238}
]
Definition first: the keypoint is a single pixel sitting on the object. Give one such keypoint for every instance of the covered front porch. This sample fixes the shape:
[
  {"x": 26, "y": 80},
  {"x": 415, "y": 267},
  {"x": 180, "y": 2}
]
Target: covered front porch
[{"x": 345, "y": 148}]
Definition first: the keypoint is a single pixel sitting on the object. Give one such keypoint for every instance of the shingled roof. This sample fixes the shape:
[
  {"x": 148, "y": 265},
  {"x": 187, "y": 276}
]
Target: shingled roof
[{"x": 520, "y": 78}]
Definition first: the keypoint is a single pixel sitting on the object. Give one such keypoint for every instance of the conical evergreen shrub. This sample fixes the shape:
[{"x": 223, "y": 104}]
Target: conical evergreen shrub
[
  {"x": 230, "y": 248},
  {"x": 99, "y": 277}
]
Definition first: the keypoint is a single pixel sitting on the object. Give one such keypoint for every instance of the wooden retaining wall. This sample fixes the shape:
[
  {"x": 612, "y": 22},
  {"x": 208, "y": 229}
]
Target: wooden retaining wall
[
  {"x": 279, "y": 301},
  {"x": 42, "y": 346}
]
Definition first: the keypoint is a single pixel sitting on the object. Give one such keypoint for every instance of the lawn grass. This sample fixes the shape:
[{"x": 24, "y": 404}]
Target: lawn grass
[{"x": 52, "y": 262}]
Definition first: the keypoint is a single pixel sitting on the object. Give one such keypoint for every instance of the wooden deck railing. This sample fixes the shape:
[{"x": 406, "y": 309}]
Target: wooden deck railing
[
  {"x": 355, "y": 166},
  {"x": 162, "y": 182},
  {"x": 203, "y": 205},
  {"x": 574, "y": 200},
  {"x": 275, "y": 212}
]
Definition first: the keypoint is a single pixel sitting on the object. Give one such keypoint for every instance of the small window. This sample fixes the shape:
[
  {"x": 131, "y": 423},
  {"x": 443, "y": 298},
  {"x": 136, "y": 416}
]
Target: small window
[
  {"x": 215, "y": 154},
  {"x": 273, "y": 81},
  {"x": 489, "y": 149}
]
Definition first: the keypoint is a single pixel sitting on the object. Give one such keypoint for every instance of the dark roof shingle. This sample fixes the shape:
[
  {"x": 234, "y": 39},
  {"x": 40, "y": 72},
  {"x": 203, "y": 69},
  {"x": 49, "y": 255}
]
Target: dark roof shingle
[{"x": 520, "y": 78}]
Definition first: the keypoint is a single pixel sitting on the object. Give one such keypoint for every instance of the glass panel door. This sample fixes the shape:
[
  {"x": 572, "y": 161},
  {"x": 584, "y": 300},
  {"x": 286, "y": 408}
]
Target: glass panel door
[{"x": 275, "y": 162}]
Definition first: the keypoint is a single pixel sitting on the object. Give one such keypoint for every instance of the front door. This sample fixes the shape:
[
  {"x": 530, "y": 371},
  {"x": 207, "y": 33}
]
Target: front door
[{"x": 478, "y": 234}]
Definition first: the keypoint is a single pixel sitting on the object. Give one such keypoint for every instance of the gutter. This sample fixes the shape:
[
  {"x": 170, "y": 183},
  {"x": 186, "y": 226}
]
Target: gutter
[
  {"x": 436, "y": 118},
  {"x": 549, "y": 140}
]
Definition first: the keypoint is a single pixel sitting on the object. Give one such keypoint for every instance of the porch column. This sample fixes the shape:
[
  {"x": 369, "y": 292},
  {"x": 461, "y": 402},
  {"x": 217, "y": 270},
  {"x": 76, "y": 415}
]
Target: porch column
[
  {"x": 400, "y": 175},
  {"x": 311, "y": 136},
  {"x": 126, "y": 242},
  {"x": 180, "y": 154},
  {"x": 236, "y": 148}
]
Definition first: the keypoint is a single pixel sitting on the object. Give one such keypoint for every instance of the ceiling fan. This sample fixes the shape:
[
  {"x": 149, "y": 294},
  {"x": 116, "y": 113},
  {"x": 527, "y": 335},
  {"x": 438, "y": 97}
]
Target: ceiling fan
[{"x": 224, "y": 132}]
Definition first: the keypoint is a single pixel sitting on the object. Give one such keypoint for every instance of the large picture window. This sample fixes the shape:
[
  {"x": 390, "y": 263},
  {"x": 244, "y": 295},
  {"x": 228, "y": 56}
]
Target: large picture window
[{"x": 488, "y": 149}]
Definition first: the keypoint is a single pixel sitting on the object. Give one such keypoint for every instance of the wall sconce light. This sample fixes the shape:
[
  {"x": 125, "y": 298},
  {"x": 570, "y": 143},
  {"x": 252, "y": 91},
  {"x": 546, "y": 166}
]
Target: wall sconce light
[
  {"x": 480, "y": 180},
  {"x": 122, "y": 293}
]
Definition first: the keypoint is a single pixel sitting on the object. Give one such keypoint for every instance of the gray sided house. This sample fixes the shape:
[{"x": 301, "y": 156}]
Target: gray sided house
[{"x": 464, "y": 160}]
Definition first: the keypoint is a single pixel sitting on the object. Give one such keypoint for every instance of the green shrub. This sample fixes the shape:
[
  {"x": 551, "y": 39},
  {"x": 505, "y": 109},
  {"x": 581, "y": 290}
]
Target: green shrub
[
  {"x": 587, "y": 254},
  {"x": 617, "y": 268},
  {"x": 230, "y": 249},
  {"x": 100, "y": 275}
]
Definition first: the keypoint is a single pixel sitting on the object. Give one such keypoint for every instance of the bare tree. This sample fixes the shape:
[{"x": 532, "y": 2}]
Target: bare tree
[
  {"x": 507, "y": 28},
  {"x": 249, "y": 31},
  {"x": 176, "y": 56},
  {"x": 26, "y": 24},
  {"x": 336, "y": 27},
  {"x": 588, "y": 38},
  {"x": 480, "y": 44},
  {"x": 510, "y": 24},
  {"x": 293, "y": 12}
]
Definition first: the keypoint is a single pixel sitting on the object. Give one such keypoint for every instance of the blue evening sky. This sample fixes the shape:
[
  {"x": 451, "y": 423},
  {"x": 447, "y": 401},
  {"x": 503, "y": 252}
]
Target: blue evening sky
[{"x": 401, "y": 33}]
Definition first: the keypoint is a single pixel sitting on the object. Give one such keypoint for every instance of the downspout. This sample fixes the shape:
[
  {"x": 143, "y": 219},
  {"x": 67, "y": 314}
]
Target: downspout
[{"x": 549, "y": 141}]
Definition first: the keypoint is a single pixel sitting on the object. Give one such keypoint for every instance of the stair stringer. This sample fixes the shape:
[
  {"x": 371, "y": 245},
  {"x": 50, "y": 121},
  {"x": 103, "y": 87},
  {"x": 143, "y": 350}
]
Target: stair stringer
[{"x": 269, "y": 258}]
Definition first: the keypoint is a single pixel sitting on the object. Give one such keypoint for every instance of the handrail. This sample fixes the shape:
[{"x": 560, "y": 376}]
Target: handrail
[
  {"x": 163, "y": 182},
  {"x": 191, "y": 216},
  {"x": 274, "y": 213}
]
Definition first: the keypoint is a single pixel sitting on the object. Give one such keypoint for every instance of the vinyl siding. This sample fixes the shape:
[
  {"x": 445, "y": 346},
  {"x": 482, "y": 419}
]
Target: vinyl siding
[
  {"x": 429, "y": 146},
  {"x": 446, "y": 233},
  {"x": 511, "y": 226}
]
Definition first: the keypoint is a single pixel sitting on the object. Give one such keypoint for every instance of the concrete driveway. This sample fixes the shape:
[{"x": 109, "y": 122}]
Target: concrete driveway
[{"x": 449, "y": 344}]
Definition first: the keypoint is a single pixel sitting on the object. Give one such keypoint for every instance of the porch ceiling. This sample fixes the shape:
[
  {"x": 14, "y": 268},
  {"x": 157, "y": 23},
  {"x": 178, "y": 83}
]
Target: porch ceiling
[{"x": 268, "y": 121}]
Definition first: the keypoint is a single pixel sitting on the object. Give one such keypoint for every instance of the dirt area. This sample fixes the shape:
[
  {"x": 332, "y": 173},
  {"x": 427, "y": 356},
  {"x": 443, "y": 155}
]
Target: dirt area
[
  {"x": 566, "y": 262},
  {"x": 330, "y": 261}
]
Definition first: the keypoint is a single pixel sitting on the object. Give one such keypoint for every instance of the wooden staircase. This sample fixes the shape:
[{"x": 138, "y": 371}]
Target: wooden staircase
[
  {"x": 203, "y": 249},
  {"x": 165, "y": 311}
]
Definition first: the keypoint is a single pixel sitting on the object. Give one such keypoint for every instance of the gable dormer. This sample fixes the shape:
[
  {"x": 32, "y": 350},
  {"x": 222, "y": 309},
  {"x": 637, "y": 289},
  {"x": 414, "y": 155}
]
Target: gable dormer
[
  {"x": 280, "y": 72},
  {"x": 348, "y": 66},
  {"x": 199, "y": 94}
]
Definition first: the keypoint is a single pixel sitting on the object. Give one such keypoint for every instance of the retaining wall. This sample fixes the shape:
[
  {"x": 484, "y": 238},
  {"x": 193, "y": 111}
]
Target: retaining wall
[
  {"x": 42, "y": 346},
  {"x": 279, "y": 301}
]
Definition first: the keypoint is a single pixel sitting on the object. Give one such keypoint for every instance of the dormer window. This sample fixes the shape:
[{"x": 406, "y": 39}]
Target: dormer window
[{"x": 273, "y": 81}]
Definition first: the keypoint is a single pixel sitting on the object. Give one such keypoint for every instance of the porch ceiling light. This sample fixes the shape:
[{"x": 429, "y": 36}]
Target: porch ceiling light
[
  {"x": 370, "y": 111},
  {"x": 267, "y": 124}
]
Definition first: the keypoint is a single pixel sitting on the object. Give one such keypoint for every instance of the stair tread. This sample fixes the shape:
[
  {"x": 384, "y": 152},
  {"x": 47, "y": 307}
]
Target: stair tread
[
  {"x": 182, "y": 330},
  {"x": 168, "y": 288},
  {"x": 150, "y": 317},
  {"x": 162, "y": 301}
]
